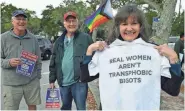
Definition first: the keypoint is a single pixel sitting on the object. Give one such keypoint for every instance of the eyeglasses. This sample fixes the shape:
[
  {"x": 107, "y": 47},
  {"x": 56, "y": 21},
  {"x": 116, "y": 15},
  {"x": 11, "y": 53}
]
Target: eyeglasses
[
  {"x": 71, "y": 21},
  {"x": 20, "y": 19}
]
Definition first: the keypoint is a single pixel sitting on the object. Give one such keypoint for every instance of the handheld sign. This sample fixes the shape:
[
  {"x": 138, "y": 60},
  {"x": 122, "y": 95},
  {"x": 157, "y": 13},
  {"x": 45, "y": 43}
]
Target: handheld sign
[
  {"x": 28, "y": 61},
  {"x": 53, "y": 98}
]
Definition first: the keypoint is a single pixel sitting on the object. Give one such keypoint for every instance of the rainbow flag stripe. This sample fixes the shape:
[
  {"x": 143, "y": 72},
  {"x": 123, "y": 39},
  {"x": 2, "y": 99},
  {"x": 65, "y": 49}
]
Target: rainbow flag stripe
[{"x": 97, "y": 18}]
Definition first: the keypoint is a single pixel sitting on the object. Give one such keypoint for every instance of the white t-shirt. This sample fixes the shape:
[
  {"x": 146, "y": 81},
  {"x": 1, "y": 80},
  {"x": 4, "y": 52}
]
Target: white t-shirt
[{"x": 129, "y": 75}]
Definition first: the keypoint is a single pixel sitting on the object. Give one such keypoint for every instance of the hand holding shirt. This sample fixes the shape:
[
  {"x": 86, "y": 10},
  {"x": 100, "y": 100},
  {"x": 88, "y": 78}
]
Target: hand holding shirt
[{"x": 132, "y": 71}]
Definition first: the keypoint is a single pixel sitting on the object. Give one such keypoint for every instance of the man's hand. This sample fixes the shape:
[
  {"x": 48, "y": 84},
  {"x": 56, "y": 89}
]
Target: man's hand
[
  {"x": 52, "y": 85},
  {"x": 14, "y": 62}
]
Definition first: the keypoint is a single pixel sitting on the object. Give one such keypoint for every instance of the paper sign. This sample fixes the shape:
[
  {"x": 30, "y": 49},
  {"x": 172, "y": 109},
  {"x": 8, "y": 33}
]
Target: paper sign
[
  {"x": 53, "y": 98},
  {"x": 28, "y": 61}
]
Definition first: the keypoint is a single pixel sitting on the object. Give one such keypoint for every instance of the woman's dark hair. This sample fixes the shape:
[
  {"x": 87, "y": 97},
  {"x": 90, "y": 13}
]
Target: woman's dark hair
[{"x": 121, "y": 16}]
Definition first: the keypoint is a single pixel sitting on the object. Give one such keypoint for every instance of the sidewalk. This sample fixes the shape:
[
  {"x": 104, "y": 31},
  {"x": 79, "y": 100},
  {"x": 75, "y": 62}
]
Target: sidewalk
[
  {"x": 94, "y": 88},
  {"x": 172, "y": 103}
]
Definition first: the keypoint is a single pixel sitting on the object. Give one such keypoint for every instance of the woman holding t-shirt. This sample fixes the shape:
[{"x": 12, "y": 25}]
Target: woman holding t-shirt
[{"x": 131, "y": 70}]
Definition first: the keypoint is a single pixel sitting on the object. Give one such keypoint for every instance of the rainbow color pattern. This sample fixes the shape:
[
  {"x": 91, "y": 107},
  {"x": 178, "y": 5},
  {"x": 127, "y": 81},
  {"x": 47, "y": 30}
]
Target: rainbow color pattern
[{"x": 100, "y": 16}]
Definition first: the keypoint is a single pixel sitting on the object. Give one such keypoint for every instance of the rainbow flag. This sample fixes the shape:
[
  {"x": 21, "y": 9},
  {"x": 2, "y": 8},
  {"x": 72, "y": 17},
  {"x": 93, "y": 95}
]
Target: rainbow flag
[{"x": 100, "y": 16}]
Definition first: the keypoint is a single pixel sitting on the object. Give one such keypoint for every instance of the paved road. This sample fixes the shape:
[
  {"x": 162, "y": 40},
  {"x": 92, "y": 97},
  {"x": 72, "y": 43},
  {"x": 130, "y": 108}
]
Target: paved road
[{"x": 44, "y": 85}]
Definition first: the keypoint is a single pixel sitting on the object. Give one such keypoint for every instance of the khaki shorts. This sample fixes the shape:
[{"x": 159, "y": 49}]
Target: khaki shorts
[{"x": 13, "y": 95}]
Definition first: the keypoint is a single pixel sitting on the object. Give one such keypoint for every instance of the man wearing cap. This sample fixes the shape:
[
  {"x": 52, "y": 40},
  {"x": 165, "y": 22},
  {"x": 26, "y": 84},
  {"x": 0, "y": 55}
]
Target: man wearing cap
[
  {"x": 64, "y": 67},
  {"x": 16, "y": 85}
]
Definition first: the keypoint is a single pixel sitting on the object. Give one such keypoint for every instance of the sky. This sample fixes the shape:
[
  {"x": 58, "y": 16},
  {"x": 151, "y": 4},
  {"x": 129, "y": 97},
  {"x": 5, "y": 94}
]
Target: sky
[{"x": 39, "y": 5}]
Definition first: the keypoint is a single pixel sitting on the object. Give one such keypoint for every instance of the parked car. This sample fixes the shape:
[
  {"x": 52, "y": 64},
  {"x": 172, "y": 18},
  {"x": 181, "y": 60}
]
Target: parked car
[
  {"x": 172, "y": 40},
  {"x": 45, "y": 47}
]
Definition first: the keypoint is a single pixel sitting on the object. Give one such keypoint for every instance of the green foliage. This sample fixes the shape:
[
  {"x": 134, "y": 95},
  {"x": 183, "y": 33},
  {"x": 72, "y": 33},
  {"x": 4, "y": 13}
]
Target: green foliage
[
  {"x": 34, "y": 25},
  {"x": 49, "y": 23},
  {"x": 52, "y": 20},
  {"x": 6, "y": 12},
  {"x": 178, "y": 25},
  {"x": 52, "y": 17}
]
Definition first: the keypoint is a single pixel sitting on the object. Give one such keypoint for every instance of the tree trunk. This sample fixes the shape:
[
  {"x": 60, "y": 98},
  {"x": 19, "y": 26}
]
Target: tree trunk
[{"x": 163, "y": 28}]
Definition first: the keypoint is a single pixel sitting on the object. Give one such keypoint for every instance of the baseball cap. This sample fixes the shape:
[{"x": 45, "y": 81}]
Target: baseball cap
[
  {"x": 70, "y": 13},
  {"x": 19, "y": 12}
]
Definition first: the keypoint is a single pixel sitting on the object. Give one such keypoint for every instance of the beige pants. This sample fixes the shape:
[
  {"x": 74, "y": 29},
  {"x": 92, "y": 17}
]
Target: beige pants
[{"x": 13, "y": 95}]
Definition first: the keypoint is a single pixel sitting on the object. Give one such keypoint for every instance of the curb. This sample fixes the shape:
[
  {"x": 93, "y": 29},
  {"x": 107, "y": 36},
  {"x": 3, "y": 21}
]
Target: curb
[
  {"x": 93, "y": 86},
  {"x": 182, "y": 90}
]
